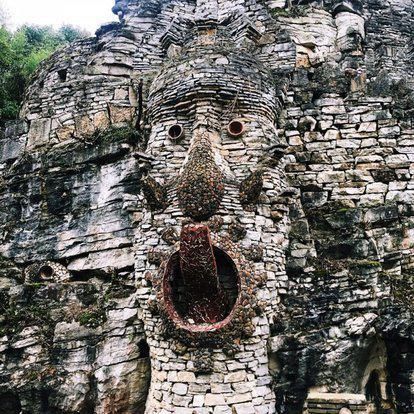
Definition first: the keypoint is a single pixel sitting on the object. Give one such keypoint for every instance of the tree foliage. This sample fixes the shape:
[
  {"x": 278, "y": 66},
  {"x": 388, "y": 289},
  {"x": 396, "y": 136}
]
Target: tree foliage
[{"x": 21, "y": 51}]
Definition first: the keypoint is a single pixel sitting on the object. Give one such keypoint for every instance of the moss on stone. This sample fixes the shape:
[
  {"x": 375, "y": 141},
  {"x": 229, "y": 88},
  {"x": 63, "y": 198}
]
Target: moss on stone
[
  {"x": 92, "y": 318},
  {"x": 121, "y": 134},
  {"x": 293, "y": 11},
  {"x": 17, "y": 318},
  {"x": 355, "y": 264},
  {"x": 402, "y": 288},
  {"x": 280, "y": 12},
  {"x": 325, "y": 267},
  {"x": 321, "y": 273},
  {"x": 400, "y": 89},
  {"x": 8, "y": 269}
]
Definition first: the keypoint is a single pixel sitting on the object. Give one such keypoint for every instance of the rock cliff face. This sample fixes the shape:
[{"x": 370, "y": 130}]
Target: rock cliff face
[{"x": 208, "y": 208}]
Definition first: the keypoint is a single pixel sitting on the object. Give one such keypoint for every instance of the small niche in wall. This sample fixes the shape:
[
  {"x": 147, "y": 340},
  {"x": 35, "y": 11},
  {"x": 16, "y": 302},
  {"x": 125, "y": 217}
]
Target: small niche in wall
[
  {"x": 144, "y": 351},
  {"x": 63, "y": 75},
  {"x": 46, "y": 272},
  {"x": 375, "y": 383}
]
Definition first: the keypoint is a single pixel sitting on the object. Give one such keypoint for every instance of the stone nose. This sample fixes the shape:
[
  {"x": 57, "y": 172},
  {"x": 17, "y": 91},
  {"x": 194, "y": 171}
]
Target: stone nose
[{"x": 201, "y": 184}]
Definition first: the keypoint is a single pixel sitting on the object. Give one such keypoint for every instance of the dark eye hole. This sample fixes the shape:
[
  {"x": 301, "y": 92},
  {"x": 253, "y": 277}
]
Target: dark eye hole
[
  {"x": 46, "y": 272},
  {"x": 235, "y": 128},
  {"x": 176, "y": 132}
]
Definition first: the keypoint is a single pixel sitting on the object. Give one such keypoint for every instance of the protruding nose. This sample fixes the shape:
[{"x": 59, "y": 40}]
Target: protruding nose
[{"x": 201, "y": 184}]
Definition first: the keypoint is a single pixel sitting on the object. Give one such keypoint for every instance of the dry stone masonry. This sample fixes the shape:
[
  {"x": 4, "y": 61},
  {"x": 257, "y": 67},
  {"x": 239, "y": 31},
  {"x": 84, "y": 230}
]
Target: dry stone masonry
[{"x": 207, "y": 208}]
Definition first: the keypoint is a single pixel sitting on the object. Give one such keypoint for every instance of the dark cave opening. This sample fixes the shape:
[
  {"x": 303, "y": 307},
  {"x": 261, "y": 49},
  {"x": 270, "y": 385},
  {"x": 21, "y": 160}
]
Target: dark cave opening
[
  {"x": 373, "y": 391},
  {"x": 144, "y": 350},
  {"x": 378, "y": 394},
  {"x": 63, "y": 74}
]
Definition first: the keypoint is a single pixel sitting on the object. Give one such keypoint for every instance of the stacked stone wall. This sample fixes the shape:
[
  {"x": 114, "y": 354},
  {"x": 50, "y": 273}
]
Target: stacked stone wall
[{"x": 311, "y": 201}]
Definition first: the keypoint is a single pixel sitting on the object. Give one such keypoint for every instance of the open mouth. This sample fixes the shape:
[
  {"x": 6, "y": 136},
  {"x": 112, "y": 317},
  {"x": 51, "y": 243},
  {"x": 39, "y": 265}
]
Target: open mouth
[{"x": 201, "y": 283}]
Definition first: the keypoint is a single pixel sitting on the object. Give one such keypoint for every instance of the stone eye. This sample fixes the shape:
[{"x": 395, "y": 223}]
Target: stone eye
[
  {"x": 46, "y": 272},
  {"x": 235, "y": 128},
  {"x": 176, "y": 133}
]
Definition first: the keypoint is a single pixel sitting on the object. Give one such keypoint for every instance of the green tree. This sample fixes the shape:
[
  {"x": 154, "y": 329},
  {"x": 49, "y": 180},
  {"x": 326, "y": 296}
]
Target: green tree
[
  {"x": 8, "y": 106},
  {"x": 20, "y": 54},
  {"x": 69, "y": 33}
]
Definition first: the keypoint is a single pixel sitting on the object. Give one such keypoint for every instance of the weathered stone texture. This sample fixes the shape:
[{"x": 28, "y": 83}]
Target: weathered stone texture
[{"x": 308, "y": 210}]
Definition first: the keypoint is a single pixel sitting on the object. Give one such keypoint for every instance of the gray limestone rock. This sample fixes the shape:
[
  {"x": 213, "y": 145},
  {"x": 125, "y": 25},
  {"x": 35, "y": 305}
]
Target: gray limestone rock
[{"x": 315, "y": 291}]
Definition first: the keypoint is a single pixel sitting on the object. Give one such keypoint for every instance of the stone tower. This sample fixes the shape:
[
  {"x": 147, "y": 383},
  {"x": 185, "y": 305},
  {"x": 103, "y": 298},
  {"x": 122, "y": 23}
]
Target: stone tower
[{"x": 207, "y": 208}]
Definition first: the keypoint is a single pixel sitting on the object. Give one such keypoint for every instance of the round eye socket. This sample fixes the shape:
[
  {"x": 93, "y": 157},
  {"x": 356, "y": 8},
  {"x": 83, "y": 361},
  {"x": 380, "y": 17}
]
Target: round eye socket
[
  {"x": 176, "y": 132},
  {"x": 46, "y": 272},
  {"x": 235, "y": 129}
]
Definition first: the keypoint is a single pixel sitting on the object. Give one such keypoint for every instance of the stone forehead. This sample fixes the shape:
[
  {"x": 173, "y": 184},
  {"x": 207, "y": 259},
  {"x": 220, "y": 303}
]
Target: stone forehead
[{"x": 214, "y": 75}]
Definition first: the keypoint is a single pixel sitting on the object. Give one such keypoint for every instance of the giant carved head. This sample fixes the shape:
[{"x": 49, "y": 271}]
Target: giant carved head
[{"x": 212, "y": 179}]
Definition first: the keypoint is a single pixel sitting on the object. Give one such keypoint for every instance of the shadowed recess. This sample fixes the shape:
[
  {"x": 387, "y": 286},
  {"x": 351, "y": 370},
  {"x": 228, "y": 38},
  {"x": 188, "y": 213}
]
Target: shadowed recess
[{"x": 203, "y": 280}]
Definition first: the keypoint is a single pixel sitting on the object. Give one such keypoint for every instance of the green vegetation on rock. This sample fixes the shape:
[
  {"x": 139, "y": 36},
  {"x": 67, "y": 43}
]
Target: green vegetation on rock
[
  {"x": 92, "y": 318},
  {"x": 118, "y": 134},
  {"x": 21, "y": 51},
  {"x": 292, "y": 11}
]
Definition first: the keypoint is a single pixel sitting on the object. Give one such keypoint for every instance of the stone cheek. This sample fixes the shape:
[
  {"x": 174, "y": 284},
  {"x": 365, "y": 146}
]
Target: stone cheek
[
  {"x": 155, "y": 193},
  {"x": 251, "y": 188}
]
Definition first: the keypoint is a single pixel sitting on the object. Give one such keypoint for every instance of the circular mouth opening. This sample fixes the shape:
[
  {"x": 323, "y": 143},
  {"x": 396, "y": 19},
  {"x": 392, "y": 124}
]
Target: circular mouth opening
[
  {"x": 46, "y": 272},
  {"x": 213, "y": 311},
  {"x": 235, "y": 128},
  {"x": 175, "y": 132}
]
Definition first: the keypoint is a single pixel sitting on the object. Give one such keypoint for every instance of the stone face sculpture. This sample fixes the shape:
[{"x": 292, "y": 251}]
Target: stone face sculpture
[
  {"x": 207, "y": 208},
  {"x": 208, "y": 293}
]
